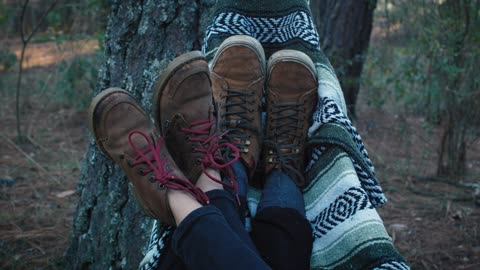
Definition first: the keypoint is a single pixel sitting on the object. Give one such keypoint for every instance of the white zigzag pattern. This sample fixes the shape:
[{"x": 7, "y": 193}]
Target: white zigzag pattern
[
  {"x": 298, "y": 24},
  {"x": 329, "y": 112},
  {"x": 344, "y": 207},
  {"x": 156, "y": 246},
  {"x": 393, "y": 265}
]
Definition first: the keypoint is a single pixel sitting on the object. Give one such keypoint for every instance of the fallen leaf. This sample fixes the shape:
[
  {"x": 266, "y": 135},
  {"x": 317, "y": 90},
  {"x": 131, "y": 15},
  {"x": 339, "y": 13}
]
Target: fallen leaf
[{"x": 65, "y": 193}]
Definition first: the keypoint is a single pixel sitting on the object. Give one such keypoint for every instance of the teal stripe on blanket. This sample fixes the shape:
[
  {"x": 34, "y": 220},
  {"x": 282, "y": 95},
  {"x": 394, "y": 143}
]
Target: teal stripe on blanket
[
  {"x": 364, "y": 256},
  {"x": 334, "y": 135},
  {"x": 333, "y": 165},
  {"x": 362, "y": 233},
  {"x": 327, "y": 164}
]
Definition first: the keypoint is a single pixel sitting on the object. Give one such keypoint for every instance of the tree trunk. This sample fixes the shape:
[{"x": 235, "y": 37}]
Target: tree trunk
[
  {"x": 452, "y": 157},
  {"x": 344, "y": 28},
  {"x": 109, "y": 230}
]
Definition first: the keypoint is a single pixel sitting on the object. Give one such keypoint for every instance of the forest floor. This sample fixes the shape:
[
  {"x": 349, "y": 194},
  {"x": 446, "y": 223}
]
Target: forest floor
[{"x": 435, "y": 223}]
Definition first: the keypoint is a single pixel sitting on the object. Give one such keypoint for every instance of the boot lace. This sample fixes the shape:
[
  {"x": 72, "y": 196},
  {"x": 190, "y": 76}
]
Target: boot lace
[
  {"x": 236, "y": 117},
  {"x": 284, "y": 141},
  {"x": 157, "y": 163},
  {"x": 210, "y": 146}
]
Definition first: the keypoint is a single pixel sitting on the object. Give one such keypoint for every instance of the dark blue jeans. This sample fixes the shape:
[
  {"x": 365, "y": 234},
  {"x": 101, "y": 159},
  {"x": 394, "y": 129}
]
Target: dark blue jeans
[
  {"x": 214, "y": 236},
  {"x": 205, "y": 240}
]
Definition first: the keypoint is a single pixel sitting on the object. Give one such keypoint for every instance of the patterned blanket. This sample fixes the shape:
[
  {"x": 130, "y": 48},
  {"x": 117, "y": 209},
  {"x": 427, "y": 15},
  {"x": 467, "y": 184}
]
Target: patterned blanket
[{"x": 341, "y": 199}]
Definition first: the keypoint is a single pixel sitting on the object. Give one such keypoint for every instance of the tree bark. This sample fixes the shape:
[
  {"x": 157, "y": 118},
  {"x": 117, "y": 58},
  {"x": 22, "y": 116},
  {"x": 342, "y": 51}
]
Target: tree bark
[
  {"x": 344, "y": 28},
  {"x": 109, "y": 230}
]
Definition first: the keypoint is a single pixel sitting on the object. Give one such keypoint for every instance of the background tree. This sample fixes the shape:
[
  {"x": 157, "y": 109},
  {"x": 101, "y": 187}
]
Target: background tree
[
  {"x": 455, "y": 88},
  {"x": 142, "y": 37},
  {"x": 344, "y": 28},
  {"x": 428, "y": 66}
]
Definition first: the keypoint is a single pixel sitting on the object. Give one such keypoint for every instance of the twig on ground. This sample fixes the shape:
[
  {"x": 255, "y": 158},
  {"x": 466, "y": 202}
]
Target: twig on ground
[{"x": 27, "y": 156}]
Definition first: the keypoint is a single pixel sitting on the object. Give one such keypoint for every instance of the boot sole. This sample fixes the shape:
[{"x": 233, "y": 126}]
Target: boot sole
[
  {"x": 169, "y": 71},
  {"x": 291, "y": 56},
  {"x": 242, "y": 40},
  {"x": 93, "y": 107}
]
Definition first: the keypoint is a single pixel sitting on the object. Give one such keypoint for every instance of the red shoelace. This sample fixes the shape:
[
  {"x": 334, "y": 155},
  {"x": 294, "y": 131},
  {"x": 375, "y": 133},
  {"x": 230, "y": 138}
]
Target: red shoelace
[
  {"x": 212, "y": 158},
  {"x": 158, "y": 164}
]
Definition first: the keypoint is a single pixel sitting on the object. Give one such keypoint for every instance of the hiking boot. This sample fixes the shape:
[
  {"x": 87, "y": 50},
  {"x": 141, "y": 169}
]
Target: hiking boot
[
  {"x": 291, "y": 98},
  {"x": 183, "y": 109},
  {"x": 238, "y": 76},
  {"x": 124, "y": 132}
]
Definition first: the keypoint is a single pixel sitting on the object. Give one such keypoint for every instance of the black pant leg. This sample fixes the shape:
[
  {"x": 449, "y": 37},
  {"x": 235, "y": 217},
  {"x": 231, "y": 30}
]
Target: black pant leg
[{"x": 283, "y": 237}]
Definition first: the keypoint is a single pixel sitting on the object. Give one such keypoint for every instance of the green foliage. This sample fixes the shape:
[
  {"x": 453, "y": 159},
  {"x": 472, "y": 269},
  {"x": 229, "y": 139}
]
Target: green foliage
[
  {"x": 420, "y": 62},
  {"x": 57, "y": 18},
  {"x": 69, "y": 15},
  {"x": 427, "y": 65},
  {"x": 7, "y": 59},
  {"x": 4, "y": 14},
  {"x": 76, "y": 83},
  {"x": 7, "y": 19}
]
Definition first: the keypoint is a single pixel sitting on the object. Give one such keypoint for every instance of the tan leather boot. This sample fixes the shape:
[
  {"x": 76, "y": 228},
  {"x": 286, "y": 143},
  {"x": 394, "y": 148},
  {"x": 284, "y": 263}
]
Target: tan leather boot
[
  {"x": 291, "y": 98},
  {"x": 125, "y": 133},
  {"x": 238, "y": 77},
  {"x": 183, "y": 109}
]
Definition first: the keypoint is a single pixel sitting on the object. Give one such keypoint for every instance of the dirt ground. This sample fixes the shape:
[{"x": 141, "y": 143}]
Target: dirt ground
[{"x": 434, "y": 222}]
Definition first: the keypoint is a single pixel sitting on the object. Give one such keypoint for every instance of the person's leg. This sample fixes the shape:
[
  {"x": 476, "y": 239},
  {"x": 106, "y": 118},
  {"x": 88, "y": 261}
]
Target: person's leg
[
  {"x": 280, "y": 191},
  {"x": 280, "y": 230},
  {"x": 204, "y": 239},
  {"x": 227, "y": 203},
  {"x": 185, "y": 118},
  {"x": 238, "y": 76}
]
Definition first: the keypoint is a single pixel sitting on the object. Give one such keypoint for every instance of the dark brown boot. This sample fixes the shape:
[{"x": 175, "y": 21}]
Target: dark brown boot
[
  {"x": 125, "y": 133},
  {"x": 291, "y": 98},
  {"x": 238, "y": 77},
  {"x": 183, "y": 109}
]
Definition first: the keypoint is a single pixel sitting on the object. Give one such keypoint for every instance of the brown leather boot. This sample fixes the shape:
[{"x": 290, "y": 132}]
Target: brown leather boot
[
  {"x": 291, "y": 98},
  {"x": 125, "y": 133},
  {"x": 238, "y": 77},
  {"x": 183, "y": 109}
]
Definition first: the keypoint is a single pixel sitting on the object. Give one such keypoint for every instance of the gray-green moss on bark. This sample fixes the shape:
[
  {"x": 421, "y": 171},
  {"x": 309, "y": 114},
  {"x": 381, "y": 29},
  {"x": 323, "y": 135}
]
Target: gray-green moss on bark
[{"x": 110, "y": 231}]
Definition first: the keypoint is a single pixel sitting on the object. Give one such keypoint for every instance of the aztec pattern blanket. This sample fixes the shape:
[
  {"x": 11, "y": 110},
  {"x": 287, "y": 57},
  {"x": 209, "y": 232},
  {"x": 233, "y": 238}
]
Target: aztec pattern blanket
[{"x": 341, "y": 199}]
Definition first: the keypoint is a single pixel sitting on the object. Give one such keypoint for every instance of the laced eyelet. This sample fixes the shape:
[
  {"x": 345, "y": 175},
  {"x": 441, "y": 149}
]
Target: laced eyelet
[
  {"x": 161, "y": 186},
  {"x": 141, "y": 172},
  {"x": 151, "y": 179}
]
